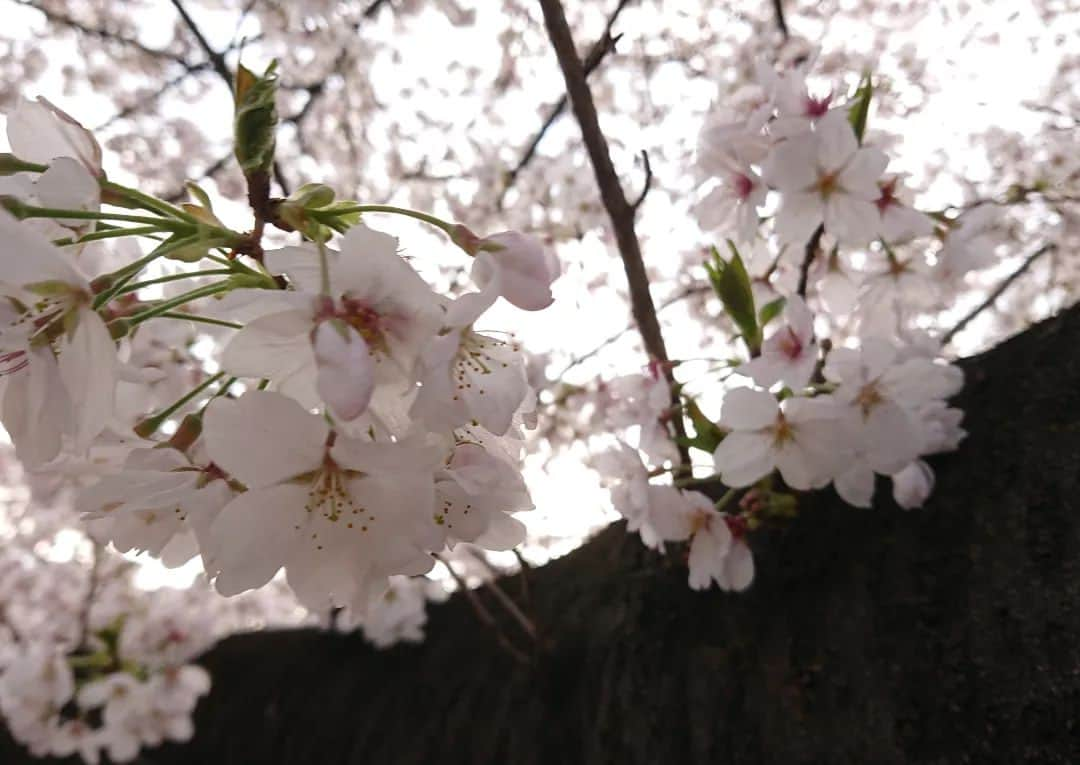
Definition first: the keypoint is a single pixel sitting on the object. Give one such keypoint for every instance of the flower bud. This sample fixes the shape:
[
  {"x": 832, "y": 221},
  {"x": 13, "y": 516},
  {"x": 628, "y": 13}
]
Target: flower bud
[
  {"x": 522, "y": 267},
  {"x": 913, "y": 484}
]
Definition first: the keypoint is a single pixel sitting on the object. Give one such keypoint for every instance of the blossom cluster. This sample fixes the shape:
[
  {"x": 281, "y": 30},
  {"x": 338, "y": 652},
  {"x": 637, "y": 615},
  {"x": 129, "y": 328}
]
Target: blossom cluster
[
  {"x": 837, "y": 395},
  {"x": 316, "y": 407}
]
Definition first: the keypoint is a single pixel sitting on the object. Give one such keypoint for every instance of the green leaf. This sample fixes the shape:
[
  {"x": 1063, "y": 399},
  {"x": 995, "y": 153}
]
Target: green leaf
[
  {"x": 860, "y": 106},
  {"x": 255, "y": 121},
  {"x": 738, "y": 297},
  {"x": 770, "y": 311},
  {"x": 707, "y": 436}
]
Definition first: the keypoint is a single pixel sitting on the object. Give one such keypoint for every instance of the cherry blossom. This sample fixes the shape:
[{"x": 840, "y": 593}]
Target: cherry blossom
[
  {"x": 518, "y": 267},
  {"x": 790, "y": 354},
  {"x": 825, "y": 177}
]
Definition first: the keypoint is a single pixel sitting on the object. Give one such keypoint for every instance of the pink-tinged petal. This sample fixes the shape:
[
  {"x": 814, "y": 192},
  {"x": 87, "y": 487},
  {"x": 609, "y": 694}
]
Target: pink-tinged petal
[
  {"x": 748, "y": 409},
  {"x": 836, "y": 142},
  {"x": 891, "y": 439},
  {"x": 668, "y": 514},
  {"x": 466, "y": 309},
  {"x": 345, "y": 370},
  {"x": 273, "y": 346},
  {"x": 799, "y": 214},
  {"x": 88, "y": 367},
  {"x": 913, "y": 485},
  {"x": 300, "y": 264},
  {"x": 708, "y": 550},
  {"x": 254, "y": 535},
  {"x": 843, "y": 366},
  {"x": 796, "y": 467},
  {"x": 36, "y": 409},
  {"x": 856, "y": 485},
  {"x": 40, "y": 132},
  {"x": 799, "y": 318},
  {"x": 860, "y": 176},
  {"x": 714, "y": 211},
  {"x": 792, "y": 164},
  {"x": 504, "y": 532},
  {"x": 68, "y": 185},
  {"x": 766, "y": 371},
  {"x": 263, "y": 438},
  {"x": 27, "y": 257},
  {"x": 851, "y": 220},
  {"x": 742, "y": 458},
  {"x": 900, "y": 223},
  {"x": 738, "y": 567}
]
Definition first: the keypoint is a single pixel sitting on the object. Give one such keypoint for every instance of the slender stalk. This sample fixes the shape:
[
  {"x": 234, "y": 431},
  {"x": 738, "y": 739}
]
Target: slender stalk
[
  {"x": 188, "y": 297},
  {"x": 147, "y": 202},
  {"x": 201, "y": 319},
  {"x": 175, "y": 278},
  {"x": 147, "y": 427},
  {"x": 431, "y": 219},
  {"x": 31, "y": 211}
]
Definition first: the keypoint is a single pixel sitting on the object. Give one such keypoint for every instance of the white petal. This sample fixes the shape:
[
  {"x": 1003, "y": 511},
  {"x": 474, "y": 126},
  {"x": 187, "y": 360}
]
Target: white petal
[
  {"x": 836, "y": 141},
  {"x": 263, "y": 438},
  {"x": 739, "y": 567},
  {"x": 27, "y": 257},
  {"x": 861, "y": 174},
  {"x": 88, "y": 366},
  {"x": 791, "y": 165},
  {"x": 273, "y": 346},
  {"x": 851, "y": 220},
  {"x": 346, "y": 370},
  {"x": 40, "y": 132},
  {"x": 856, "y": 485},
  {"x": 254, "y": 536},
  {"x": 799, "y": 214},
  {"x": 68, "y": 185},
  {"x": 748, "y": 409},
  {"x": 743, "y": 458}
]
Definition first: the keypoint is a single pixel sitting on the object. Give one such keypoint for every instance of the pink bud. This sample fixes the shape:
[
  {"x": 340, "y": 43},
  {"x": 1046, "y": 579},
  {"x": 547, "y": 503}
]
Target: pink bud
[
  {"x": 521, "y": 267},
  {"x": 913, "y": 484}
]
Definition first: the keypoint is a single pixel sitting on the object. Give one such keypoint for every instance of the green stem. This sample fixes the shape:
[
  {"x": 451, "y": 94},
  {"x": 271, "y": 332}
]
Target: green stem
[
  {"x": 147, "y": 202},
  {"x": 431, "y": 219},
  {"x": 167, "y": 305},
  {"x": 201, "y": 319},
  {"x": 112, "y": 233},
  {"x": 30, "y": 211},
  {"x": 725, "y": 500},
  {"x": 175, "y": 277},
  {"x": 147, "y": 427}
]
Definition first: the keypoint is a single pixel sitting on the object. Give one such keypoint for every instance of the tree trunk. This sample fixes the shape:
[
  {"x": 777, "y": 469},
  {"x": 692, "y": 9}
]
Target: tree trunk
[{"x": 942, "y": 635}]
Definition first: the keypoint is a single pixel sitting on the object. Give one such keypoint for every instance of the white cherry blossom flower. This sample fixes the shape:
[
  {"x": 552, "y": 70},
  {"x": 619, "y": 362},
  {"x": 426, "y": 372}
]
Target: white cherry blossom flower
[
  {"x": 468, "y": 376},
  {"x": 380, "y": 309},
  {"x": 732, "y": 204},
  {"x": 56, "y": 354},
  {"x": 340, "y": 514},
  {"x": 800, "y": 438},
  {"x": 825, "y": 177},
  {"x": 790, "y": 354},
  {"x": 913, "y": 485},
  {"x": 517, "y": 266},
  {"x": 475, "y": 493},
  {"x": 899, "y": 221}
]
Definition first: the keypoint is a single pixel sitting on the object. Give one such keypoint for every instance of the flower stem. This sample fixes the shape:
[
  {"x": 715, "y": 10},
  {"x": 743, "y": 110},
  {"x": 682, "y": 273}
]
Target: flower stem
[
  {"x": 147, "y": 202},
  {"x": 175, "y": 277},
  {"x": 149, "y": 426},
  {"x": 188, "y": 297},
  {"x": 200, "y": 319},
  {"x": 430, "y": 219}
]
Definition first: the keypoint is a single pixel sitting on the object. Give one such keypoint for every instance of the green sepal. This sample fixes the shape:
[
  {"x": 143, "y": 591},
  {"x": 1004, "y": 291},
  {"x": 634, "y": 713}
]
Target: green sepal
[
  {"x": 735, "y": 291},
  {"x": 255, "y": 121},
  {"x": 860, "y": 106}
]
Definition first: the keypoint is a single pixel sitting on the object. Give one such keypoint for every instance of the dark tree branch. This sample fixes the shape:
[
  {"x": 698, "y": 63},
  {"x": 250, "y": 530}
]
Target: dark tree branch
[
  {"x": 619, "y": 210},
  {"x": 997, "y": 292},
  {"x": 781, "y": 22},
  {"x": 810, "y": 253},
  {"x": 604, "y": 45},
  {"x": 373, "y": 9}
]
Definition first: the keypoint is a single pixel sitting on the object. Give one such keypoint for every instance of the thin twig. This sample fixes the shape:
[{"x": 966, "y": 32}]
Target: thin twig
[
  {"x": 998, "y": 291},
  {"x": 88, "y": 600},
  {"x": 688, "y": 292},
  {"x": 810, "y": 253},
  {"x": 648, "y": 181},
  {"x": 618, "y": 208},
  {"x": 604, "y": 45},
  {"x": 500, "y": 595},
  {"x": 483, "y": 614}
]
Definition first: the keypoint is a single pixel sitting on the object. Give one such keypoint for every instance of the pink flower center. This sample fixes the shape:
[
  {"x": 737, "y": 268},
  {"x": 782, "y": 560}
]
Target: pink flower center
[
  {"x": 816, "y": 107},
  {"x": 744, "y": 186},
  {"x": 790, "y": 344},
  {"x": 12, "y": 362},
  {"x": 736, "y": 525},
  {"x": 888, "y": 196}
]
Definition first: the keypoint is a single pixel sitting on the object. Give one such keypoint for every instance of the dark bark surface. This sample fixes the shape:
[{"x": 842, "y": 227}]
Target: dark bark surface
[{"x": 941, "y": 635}]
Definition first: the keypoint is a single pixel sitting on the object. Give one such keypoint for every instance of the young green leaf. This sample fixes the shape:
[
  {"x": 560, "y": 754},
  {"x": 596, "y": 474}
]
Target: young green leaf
[{"x": 860, "y": 106}]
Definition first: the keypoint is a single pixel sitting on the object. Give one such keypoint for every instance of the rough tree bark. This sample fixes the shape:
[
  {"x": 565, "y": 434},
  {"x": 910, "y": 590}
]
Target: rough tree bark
[{"x": 943, "y": 635}]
